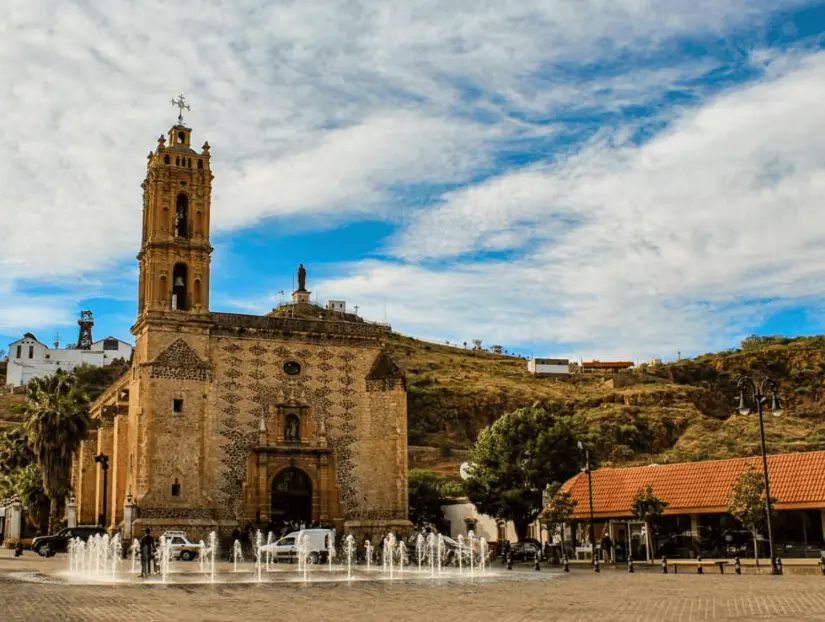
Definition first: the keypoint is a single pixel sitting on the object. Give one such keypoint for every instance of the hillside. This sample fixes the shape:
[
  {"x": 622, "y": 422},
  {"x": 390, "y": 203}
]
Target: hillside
[
  {"x": 675, "y": 412},
  {"x": 8, "y": 414}
]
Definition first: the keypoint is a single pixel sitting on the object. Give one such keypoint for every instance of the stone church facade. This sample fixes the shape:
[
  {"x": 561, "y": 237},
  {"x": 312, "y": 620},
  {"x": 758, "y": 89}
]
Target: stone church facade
[{"x": 228, "y": 419}]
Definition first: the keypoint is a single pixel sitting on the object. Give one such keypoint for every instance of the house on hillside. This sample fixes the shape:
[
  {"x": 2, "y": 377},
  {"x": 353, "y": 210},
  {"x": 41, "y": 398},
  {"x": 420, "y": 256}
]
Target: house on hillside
[
  {"x": 696, "y": 522},
  {"x": 548, "y": 367},
  {"x": 601, "y": 367},
  {"x": 30, "y": 358}
]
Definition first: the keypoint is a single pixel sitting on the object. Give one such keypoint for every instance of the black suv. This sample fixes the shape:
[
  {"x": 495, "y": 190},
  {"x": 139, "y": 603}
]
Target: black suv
[{"x": 46, "y": 546}]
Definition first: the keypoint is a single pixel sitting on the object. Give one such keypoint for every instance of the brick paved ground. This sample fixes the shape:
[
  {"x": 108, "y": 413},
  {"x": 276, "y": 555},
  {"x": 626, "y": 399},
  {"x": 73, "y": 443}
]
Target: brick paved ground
[{"x": 579, "y": 596}]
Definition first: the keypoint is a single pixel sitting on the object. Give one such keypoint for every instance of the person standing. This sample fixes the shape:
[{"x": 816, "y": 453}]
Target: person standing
[
  {"x": 147, "y": 553},
  {"x": 607, "y": 547}
]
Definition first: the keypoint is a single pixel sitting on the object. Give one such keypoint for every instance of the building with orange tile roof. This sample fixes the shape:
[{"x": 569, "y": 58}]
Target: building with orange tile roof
[
  {"x": 797, "y": 481},
  {"x": 697, "y": 494}
]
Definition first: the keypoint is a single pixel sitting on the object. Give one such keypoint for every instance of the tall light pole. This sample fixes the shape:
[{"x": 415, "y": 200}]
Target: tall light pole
[
  {"x": 103, "y": 460},
  {"x": 589, "y": 472},
  {"x": 753, "y": 394}
]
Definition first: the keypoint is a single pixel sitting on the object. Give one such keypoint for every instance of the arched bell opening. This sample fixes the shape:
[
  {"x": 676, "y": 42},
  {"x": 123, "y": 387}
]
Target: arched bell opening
[
  {"x": 182, "y": 216},
  {"x": 179, "y": 294}
]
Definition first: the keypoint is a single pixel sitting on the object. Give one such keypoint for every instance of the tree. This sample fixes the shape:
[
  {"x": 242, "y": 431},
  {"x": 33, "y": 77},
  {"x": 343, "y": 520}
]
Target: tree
[
  {"x": 57, "y": 419},
  {"x": 647, "y": 507},
  {"x": 93, "y": 381},
  {"x": 747, "y": 503},
  {"x": 558, "y": 511},
  {"x": 15, "y": 452},
  {"x": 425, "y": 499},
  {"x": 516, "y": 457},
  {"x": 20, "y": 476},
  {"x": 26, "y": 483}
]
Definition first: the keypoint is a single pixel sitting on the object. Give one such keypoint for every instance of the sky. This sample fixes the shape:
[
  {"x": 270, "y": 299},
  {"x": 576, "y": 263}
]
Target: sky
[{"x": 619, "y": 179}]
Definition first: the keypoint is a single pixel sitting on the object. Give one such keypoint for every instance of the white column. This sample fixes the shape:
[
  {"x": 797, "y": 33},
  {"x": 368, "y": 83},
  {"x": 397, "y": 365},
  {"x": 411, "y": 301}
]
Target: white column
[
  {"x": 16, "y": 531},
  {"x": 129, "y": 515},
  {"x": 71, "y": 513}
]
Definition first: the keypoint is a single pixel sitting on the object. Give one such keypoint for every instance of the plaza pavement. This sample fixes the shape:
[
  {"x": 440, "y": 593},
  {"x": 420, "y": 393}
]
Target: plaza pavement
[{"x": 525, "y": 595}]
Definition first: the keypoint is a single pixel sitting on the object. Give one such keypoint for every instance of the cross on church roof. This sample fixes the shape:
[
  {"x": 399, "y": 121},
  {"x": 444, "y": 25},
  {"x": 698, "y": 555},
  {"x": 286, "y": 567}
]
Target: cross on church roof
[{"x": 181, "y": 105}]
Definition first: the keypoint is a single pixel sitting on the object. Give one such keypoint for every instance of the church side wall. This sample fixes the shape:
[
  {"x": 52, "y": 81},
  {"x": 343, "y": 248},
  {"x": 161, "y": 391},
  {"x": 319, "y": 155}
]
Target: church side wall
[{"x": 382, "y": 452}]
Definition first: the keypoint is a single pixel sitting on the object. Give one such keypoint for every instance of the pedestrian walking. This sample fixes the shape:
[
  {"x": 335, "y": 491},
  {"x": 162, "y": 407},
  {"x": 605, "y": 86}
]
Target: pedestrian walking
[{"x": 147, "y": 553}]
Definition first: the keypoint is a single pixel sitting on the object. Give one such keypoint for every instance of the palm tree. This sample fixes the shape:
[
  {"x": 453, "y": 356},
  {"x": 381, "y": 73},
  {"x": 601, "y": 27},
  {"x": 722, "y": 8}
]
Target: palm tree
[{"x": 57, "y": 420}]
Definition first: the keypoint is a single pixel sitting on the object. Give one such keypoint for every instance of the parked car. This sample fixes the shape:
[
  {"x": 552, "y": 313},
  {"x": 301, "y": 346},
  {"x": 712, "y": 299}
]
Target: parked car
[
  {"x": 525, "y": 551},
  {"x": 46, "y": 546},
  {"x": 182, "y": 547},
  {"x": 286, "y": 549}
]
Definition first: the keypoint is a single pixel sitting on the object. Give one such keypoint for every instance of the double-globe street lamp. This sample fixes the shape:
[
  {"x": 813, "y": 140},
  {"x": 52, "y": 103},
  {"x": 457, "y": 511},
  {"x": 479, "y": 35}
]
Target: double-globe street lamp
[
  {"x": 589, "y": 472},
  {"x": 753, "y": 394}
]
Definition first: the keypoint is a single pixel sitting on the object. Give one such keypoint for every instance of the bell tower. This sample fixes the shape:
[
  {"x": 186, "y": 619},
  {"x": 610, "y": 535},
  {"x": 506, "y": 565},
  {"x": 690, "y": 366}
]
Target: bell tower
[{"x": 175, "y": 250}]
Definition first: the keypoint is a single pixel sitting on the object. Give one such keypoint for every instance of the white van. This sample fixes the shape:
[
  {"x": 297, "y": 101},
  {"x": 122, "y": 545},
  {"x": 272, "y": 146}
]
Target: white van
[{"x": 286, "y": 549}]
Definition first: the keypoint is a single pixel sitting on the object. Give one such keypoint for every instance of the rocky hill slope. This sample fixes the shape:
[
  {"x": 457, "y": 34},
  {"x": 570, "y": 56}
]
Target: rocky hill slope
[{"x": 680, "y": 411}]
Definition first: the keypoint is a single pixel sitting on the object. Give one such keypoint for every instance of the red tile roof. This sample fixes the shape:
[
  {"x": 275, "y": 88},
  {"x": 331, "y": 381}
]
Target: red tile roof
[
  {"x": 606, "y": 364},
  {"x": 797, "y": 481}
]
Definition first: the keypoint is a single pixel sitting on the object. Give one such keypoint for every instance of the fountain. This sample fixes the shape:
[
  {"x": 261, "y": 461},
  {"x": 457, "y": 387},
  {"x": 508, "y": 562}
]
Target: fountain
[
  {"x": 432, "y": 547},
  {"x": 259, "y": 542},
  {"x": 135, "y": 550},
  {"x": 202, "y": 557},
  {"x": 213, "y": 549},
  {"x": 303, "y": 549},
  {"x": 368, "y": 553},
  {"x": 165, "y": 551},
  {"x": 237, "y": 555},
  {"x": 420, "y": 543},
  {"x": 471, "y": 538},
  {"x": 349, "y": 547},
  {"x": 117, "y": 552},
  {"x": 268, "y": 551},
  {"x": 402, "y": 556},
  {"x": 387, "y": 553},
  {"x": 101, "y": 558},
  {"x": 441, "y": 548}
]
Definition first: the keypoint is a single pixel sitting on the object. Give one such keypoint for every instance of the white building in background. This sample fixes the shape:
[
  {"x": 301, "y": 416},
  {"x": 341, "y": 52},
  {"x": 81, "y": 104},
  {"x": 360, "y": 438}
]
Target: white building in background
[
  {"x": 29, "y": 358},
  {"x": 548, "y": 367}
]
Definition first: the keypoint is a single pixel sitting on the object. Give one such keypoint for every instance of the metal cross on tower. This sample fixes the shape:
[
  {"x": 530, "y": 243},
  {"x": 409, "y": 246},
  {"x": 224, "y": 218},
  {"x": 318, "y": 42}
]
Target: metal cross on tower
[{"x": 181, "y": 105}]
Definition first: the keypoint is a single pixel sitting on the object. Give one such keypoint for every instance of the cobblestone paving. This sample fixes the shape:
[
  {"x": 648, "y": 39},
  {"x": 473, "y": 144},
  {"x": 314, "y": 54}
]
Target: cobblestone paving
[{"x": 579, "y": 597}]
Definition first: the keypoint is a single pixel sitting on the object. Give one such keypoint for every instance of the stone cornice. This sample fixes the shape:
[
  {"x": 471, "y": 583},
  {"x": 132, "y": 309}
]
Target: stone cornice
[{"x": 236, "y": 325}]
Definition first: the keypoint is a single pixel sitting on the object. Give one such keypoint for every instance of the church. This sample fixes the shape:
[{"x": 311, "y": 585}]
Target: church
[{"x": 225, "y": 419}]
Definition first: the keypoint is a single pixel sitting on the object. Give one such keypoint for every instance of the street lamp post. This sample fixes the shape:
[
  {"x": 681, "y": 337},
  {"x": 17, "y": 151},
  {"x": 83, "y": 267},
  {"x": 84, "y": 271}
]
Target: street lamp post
[
  {"x": 103, "y": 460},
  {"x": 758, "y": 397},
  {"x": 587, "y": 470}
]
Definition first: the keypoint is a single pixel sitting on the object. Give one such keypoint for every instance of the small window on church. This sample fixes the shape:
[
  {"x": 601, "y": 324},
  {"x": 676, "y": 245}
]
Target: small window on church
[
  {"x": 19, "y": 352},
  {"x": 176, "y": 489},
  {"x": 166, "y": 159},
  {"x": 181, "y": 138},
  {"x": 31, "y": 352},
  {"x": 177, "y": 406},
  {"x": 292, "y": 368},
  {"x": 200, "y": 163}
]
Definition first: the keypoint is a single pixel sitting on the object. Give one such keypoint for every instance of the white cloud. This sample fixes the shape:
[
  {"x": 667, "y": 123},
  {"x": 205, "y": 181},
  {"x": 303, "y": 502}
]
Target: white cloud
[
  {"x": 635, "y": 249},
  {"x": 312, "y": 109}
]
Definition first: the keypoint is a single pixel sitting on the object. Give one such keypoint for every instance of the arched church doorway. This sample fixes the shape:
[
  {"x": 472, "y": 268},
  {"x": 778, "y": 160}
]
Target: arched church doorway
[{"x": 292, "y": 496}]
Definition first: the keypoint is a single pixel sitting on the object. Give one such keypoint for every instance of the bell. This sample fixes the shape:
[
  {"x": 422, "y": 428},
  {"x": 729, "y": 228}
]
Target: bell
[{"x": 179, "y": 281}]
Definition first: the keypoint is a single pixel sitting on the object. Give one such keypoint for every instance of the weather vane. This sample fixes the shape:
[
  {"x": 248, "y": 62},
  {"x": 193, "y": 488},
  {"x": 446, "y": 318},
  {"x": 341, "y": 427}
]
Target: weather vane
[{"x": 181, "y": 105}]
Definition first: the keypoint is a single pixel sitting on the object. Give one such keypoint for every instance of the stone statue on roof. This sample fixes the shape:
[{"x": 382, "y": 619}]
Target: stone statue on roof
[{"x": 302, "y": 278}]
